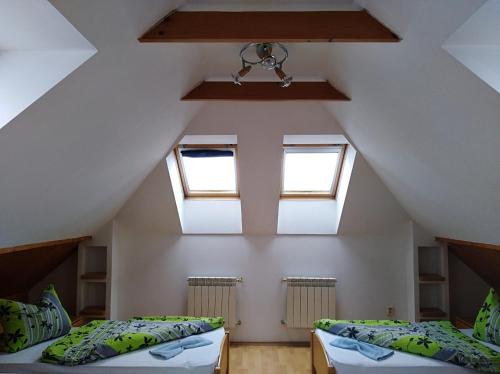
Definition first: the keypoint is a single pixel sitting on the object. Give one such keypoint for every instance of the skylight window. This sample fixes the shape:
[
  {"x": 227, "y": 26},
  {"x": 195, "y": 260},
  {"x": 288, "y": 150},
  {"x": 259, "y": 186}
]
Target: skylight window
[
  {"x": 311, "y": 170},
  {"x": 208, "y": 171}
]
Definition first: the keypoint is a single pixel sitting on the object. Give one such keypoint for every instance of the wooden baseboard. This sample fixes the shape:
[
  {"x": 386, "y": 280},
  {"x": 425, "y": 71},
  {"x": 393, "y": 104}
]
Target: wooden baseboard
[{"x": 282, "y": 344}]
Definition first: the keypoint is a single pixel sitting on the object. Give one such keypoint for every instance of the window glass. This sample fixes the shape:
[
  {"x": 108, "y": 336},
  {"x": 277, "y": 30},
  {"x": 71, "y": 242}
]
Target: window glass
[
  {"x": 208, "y": 171},
  {"x": 310, "y": 170}
]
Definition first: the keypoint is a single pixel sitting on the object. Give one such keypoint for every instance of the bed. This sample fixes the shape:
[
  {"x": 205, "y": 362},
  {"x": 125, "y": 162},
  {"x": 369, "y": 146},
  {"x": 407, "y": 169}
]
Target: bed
[
  {"x": 327, "y": 359},
  {"x": 210, "y": 359}
]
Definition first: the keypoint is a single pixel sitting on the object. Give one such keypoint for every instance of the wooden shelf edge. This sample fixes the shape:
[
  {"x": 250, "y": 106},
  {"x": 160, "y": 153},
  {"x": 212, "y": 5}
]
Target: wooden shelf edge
[
  {"x": 98, "y": 277},
  {"x": 95, "y": 311},
  {"x": 431, "y": 278},
  {"x": 102, "y": 247},
  {"x": 431, "y": 282},
  {"x": 432, "y": 313}
]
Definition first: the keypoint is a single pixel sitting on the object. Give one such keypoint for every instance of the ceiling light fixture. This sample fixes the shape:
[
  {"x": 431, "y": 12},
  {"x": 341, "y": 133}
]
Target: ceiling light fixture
[{"x": 270, "y": 56}]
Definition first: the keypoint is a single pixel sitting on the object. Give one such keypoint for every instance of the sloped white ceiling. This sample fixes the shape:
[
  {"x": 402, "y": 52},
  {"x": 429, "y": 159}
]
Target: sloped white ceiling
[
  {"x": 426, "y": 125},
  {"x": 38, "y": 48},
  {"x": 70, "y": 160},
  {"x": 476, "y": 43}
]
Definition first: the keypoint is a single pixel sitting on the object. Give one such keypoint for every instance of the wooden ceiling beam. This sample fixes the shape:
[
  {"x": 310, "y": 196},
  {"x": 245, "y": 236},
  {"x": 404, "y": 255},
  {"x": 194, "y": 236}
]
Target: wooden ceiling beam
[
  {"x": 264, "y": 91},
  {"x": 316, "y": 26}
]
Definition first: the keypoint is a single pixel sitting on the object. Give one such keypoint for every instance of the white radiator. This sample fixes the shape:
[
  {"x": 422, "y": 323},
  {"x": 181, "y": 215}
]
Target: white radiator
[
  {"x": 213, "y": 297},
  {"x": 309, "y": 299}
]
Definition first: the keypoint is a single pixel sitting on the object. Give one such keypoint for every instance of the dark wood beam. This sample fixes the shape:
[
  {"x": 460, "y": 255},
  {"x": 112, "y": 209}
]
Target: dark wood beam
[
  {"x": 482, "y": 258},
  {"x": 328, "y": 26},
  {"x": 485, "y": 262},
  {"x": 264, "y": 91},
  {"x": 43, "y": 245},
  {"x": 472, "y": 245},
  {"x": 22, "y": 267},
  {"x": 21, "y": 271}
]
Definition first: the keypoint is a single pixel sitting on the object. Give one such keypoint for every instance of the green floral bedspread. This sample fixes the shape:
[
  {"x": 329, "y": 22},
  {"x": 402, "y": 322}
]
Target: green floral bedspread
[
  {"x": 437, "y": 340},
  {"x": 102, "y": 339}
]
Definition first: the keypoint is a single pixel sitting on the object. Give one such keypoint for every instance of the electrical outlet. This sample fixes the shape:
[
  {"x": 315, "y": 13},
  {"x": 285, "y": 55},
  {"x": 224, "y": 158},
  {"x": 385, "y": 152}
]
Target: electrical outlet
[{"x": 390, "y": 311}]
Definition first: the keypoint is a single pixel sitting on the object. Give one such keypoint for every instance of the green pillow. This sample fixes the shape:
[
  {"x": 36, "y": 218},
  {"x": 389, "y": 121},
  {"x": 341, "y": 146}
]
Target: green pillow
[
  {"x": 487, "y": 325},
  {"x": 26, "y": 324}
]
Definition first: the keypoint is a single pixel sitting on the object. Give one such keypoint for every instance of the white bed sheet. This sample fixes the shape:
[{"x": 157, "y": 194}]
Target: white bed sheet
[
  {"x": 201, "y": 360},
  {"x": 469, "y": 332},
  {"x": 352, "y": 362}
]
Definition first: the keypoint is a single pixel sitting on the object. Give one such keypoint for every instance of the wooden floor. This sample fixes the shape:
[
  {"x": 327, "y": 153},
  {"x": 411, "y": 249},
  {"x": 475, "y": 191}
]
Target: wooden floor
[{"x": 269, "y": 359}]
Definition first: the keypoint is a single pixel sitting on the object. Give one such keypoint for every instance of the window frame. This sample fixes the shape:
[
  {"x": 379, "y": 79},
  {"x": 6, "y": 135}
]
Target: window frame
[
  {"x": 313, "y": 194},
  {"x": 200, "y": 193}
]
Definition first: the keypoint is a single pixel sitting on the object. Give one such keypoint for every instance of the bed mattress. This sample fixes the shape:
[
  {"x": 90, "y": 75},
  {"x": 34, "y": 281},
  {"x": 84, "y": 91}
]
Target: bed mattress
[
  {"x": 352, "y": 362},
  {"x": 200, "y": 360}
]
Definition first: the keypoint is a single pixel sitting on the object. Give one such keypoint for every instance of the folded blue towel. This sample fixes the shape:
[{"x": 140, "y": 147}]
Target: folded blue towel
[
  {"x": 172, "y": 349},
  {"x": 369, "y": 350}
]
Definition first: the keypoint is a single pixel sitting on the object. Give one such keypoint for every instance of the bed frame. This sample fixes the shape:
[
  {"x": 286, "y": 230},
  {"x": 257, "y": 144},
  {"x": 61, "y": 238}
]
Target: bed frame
[
  {"x": 319, "y": 359},
  {"x": 223, "y": 364}
]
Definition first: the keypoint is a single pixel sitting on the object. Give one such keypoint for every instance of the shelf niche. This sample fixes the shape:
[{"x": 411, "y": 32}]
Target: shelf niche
[
  {"x": 433, "y": 285},
  {"x": 93, "y": 282}
]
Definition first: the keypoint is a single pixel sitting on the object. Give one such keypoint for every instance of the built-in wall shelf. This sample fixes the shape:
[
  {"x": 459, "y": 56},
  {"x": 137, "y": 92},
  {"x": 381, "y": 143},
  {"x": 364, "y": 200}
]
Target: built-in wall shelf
[
  {"x": 432, "y": 313},
  {"x": 93, "y": 281},
  {"x": 97, "y": 277},
  {"x": 93, "y": 312},
  {"x": 432, "y": 283},
  {"x": 431, "y": 278}
]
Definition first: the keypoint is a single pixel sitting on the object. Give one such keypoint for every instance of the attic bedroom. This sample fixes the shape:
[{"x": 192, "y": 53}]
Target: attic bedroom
[{"x": 200, "y": 187}]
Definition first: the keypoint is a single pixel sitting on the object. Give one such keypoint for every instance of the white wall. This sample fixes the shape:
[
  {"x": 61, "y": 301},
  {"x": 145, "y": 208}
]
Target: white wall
[
  {"x": 154, "y": 267},
  {"x": 368, "y": 259}
]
